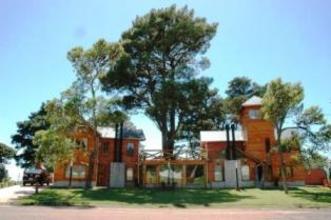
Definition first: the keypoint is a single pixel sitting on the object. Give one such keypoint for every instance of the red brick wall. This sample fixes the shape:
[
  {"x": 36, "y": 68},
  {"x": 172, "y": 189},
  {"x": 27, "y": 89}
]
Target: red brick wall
[
  {"x": 315, "y": 177},
  {"x": 102, "y": 170},
  {"x": 105, "y": 158},
  {"x": 214, "y": 150},
  {"x": 256, "y": 131},
  {"x": 81, "y": 157}
]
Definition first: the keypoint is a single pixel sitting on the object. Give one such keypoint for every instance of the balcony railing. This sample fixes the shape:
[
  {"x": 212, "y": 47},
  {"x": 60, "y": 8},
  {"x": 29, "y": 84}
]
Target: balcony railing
[{"x": 196, "y": 154}]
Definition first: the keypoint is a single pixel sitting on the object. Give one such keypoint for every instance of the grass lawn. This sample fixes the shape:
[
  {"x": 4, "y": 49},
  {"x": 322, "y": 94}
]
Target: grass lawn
[{"x": 302, "y": 197}]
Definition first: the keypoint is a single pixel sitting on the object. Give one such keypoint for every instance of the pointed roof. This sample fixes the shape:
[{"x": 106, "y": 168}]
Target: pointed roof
[{"x": 253, "y": 101}]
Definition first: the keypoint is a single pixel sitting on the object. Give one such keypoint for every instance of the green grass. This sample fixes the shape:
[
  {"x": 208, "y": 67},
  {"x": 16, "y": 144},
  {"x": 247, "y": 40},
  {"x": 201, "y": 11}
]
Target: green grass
[{"x": 302, "y": 197}]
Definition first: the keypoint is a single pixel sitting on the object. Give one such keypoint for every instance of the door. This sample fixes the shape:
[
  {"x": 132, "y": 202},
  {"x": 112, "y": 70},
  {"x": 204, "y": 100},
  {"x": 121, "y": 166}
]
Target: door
[
  {"x": 102, "y": 175},
  {"x": 259, "y": 175}
]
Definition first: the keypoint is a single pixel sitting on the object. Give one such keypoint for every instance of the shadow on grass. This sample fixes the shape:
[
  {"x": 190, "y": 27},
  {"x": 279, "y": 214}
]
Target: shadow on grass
[
  {"x": 53, "y": 198},
  {"x": 315, "y": 196},
  {"x": 180, "y": 198}
]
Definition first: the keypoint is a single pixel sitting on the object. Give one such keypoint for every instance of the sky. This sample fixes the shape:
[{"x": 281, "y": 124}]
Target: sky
[{"x": 260, "y": 39}]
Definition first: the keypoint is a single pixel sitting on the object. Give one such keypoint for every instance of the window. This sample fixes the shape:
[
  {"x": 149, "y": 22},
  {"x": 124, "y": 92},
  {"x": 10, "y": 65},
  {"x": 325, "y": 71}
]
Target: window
[
  {"x": 130, "y": 149},
  {"x": 82, "y": 143},
  {"x": 245, "y": 172},
  {"x": 195, "y": 174},
  {"x": 151, "y": 177},
  {"x": 78, "y": 171},
  {"x": 219, "y": 173},
  {"x": 267, "y": 145},
  {"x": 129, "y": 174},
  {"x": 289, "y": 171},
  {"x": 254, "y": 114},
  {"x": 105, "y": 148}
]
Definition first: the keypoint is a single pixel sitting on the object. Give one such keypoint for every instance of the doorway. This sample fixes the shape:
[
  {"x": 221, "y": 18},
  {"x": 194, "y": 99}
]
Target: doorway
[{"x": 259, "y": 175}]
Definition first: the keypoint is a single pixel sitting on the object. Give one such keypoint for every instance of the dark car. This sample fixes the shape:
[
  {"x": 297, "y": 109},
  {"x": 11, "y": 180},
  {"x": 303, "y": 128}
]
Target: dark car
[{"x": 32, "y": 176}]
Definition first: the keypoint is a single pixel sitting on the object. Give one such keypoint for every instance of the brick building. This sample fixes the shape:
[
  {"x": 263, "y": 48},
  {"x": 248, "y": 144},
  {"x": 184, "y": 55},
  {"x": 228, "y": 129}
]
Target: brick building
[
  {"x": 106, "y": 138},
  {"x": 258, "y": 163},
  {"x": 255, "y": 162}
]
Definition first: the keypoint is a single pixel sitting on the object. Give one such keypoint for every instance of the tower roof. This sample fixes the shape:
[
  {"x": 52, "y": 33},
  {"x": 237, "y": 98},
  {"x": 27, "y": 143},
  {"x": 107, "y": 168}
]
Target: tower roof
[{"x": 253, "y": 101}]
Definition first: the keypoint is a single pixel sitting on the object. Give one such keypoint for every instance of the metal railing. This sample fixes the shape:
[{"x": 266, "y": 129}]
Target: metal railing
[{"x": 176, "y": 155}]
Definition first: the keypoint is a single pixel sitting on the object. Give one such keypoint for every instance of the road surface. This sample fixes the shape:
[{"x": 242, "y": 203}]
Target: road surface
[
  {"x": 9, "y": 194},
  {"x": 99, "y": 213}
]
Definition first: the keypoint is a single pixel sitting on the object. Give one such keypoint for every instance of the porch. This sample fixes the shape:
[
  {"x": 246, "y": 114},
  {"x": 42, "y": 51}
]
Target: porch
[{"x": 185, "y": 169}]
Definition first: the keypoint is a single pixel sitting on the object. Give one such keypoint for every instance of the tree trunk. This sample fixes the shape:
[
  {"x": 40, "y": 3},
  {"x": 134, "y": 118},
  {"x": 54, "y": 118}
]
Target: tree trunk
[
  {"x": 167, "y": 144},
  {"x": 283, "y": 173},
  {"x": 93, "y": 158},
  {"x": 164, "y": 140},
  {"x": 282, "y": 162},
  {"x": 70, "y": 175}
]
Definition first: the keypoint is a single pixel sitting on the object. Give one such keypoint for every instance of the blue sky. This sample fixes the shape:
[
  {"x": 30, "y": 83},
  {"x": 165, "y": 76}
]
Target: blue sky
[{"x": 259, "y": 39}]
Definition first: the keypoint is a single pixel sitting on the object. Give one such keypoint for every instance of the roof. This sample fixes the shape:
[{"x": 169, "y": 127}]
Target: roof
[
  {"x": 215, "y": 136},
  {"x": 253, "y": 101},
  {"x": 290, "y": 132},
  {"x": 106, "y": 132},
  {"x": 128, "y": 133}
]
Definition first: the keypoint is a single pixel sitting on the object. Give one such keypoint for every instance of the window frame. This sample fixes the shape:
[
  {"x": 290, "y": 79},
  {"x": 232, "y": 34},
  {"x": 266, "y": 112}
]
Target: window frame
[
  {"x": 254, "y": 114},
  {"x": 243, "y": 177},
  {"x": 105, "y": 145},
  {"x": 222, "y": 173},
  {"x": 67, "y": 171},
  {"x": 132, "y": 174},
  {"x": 130, "y": 151},
  {"x": 82, "y": 143}
]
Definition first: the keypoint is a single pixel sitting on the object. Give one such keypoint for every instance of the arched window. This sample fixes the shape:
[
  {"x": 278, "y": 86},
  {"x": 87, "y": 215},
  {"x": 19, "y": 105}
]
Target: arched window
[{"x": 245, "y": 172}]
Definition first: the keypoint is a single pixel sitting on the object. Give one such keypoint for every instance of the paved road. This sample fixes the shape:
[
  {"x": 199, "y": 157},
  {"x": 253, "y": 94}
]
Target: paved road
[
  {"x": 48, "y": 213},
  {"x": 9, "y": 194}
]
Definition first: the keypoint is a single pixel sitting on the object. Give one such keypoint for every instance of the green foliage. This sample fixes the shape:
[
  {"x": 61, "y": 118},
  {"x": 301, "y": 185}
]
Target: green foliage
[
  {"x": 6, "y": 153},
  {"x": 315, "y": 131},
  {"x": 53, "y": 147},
  {"x": 157, "y": 71},
  {"x": 243, "y": 86},
  {"x": 23, "y": 139},
  {"x": 292, "y": 143},
  {"x": 283, "y": 101},
  {"x": 239, "y": 90},
  {"x": 313, "y": 159},
  {"x": 3, "y": 173},
  {"x": 56, "y": 143},
  {"x": 90, "y": 65},
  {"x": 204, "y": 111},
  {"x": 280, "y": 100}
]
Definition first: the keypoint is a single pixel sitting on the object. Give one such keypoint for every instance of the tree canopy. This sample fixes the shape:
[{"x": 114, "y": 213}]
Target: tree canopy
[
  {"x": 239, "y": 90},
  {"x": 158, "y": 69},
  {"x": 6, "y": 153},
  {"x": 23, "y": 139},
  {"x": 282, "y": 105},
  {"x": 56, "y": 142}
]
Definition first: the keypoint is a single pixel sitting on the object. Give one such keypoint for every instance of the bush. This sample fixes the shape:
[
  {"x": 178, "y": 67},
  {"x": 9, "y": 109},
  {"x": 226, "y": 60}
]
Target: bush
[{"x": 3, "y": 172}]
